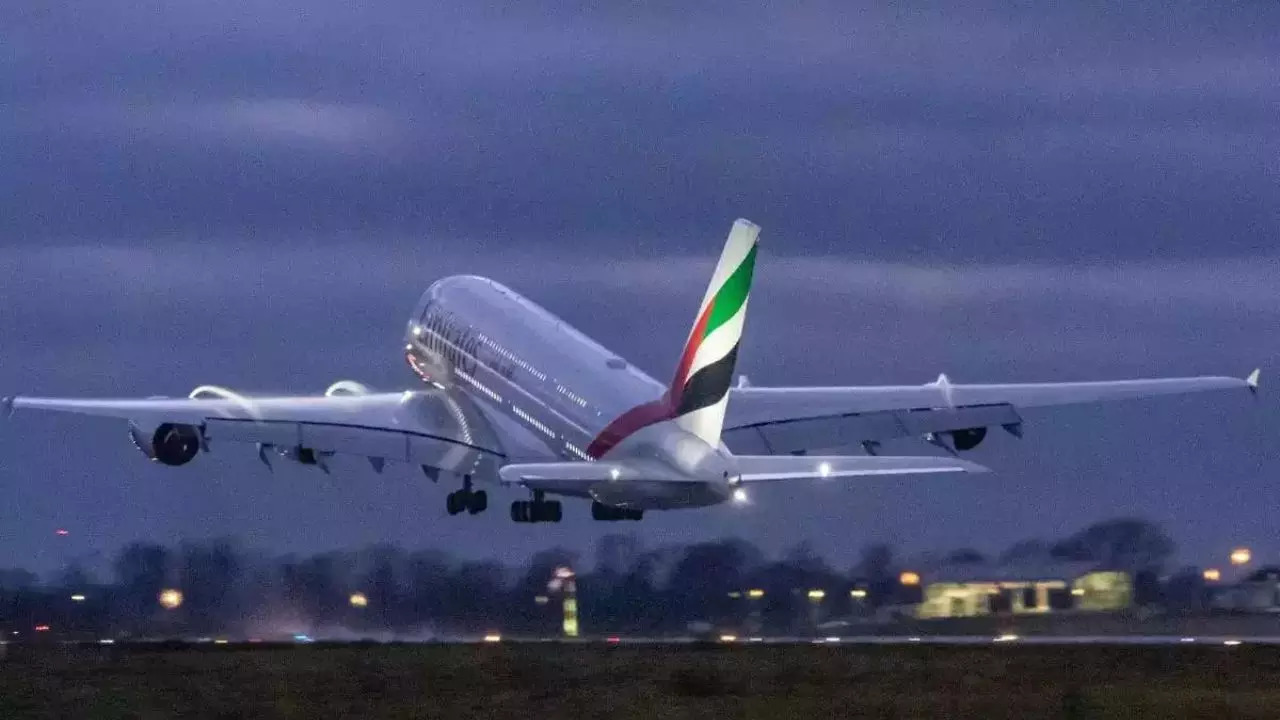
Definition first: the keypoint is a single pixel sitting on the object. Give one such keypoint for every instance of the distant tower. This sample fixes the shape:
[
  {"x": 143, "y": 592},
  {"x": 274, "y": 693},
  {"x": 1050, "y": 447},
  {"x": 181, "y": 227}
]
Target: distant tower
[{"x": 565, "y": 583}]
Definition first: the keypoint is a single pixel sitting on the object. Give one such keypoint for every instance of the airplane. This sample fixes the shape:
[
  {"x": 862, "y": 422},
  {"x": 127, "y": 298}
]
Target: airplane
[{"x": 494, "y": 370}]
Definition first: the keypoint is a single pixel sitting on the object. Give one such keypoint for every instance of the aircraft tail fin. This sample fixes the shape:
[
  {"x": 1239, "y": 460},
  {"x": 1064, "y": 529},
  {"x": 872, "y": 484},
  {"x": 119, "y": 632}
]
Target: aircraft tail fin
[{"x": 699, "y": 391}]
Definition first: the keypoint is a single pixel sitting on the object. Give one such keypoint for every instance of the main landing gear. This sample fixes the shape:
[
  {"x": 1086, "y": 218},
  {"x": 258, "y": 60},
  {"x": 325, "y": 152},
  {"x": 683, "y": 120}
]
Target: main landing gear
[
  {"x": 537, "y": 510},
  {"x": 472, "y": 501},
  {"x": 610, "y": 513}
]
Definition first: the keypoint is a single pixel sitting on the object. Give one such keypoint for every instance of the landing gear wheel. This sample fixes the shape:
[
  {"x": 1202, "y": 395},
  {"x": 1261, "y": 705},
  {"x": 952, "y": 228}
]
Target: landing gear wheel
[
  {"x": 537, "y": 511},
  {"x": 477, "y": 502},
  {"x": 454, "y": 503}
]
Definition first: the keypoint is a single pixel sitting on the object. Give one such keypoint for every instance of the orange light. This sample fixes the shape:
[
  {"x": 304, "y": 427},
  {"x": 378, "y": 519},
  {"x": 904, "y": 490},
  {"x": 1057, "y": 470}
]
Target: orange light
[
  {"x": 170, "y": 599},
  {"x": 909, "y": 578},
  {"x": 1241, "y": 556},
  {"x": 1212, "y": 575},
  {"x": 358, "y": 600}
]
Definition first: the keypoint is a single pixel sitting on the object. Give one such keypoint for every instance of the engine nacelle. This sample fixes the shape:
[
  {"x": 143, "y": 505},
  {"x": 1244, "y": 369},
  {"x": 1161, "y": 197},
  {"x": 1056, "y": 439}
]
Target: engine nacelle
[
  {"x": 969, "y": 438},
  {"x": 172, "y": 444}
]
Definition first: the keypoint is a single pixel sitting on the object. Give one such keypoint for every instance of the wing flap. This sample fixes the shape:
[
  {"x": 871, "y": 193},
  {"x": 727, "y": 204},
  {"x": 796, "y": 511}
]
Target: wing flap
[{"x": 829, "y": 433}]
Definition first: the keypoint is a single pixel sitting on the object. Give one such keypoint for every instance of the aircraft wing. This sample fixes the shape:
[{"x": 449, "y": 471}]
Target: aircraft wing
[
  {"x": 780, "y": 420},
  {"x": 433, "y": 429}
]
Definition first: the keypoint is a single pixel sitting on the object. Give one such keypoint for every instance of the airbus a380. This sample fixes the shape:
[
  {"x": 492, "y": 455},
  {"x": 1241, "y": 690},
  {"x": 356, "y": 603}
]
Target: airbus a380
[{"x": 606, "y": 432}]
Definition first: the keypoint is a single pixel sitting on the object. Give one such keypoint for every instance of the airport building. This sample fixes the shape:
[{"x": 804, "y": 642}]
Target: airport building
[{"x": 973, "y": 590}]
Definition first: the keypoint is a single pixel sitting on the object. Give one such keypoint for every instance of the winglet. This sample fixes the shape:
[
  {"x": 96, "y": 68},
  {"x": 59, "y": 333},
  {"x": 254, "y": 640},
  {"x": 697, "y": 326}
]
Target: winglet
[
  {"x": 6, "y": 406},
  {"x": 1252, "y": 380}
]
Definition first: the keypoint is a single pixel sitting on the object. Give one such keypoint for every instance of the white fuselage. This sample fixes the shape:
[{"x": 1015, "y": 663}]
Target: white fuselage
[{"x": 581, "y": 401}]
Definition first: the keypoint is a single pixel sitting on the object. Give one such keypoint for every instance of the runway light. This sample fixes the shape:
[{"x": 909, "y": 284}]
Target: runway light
[
  {"x": 77, "y": 598},
  {"x": 42, "y": 628},
  {"x": 170, "y": 599},
  {"x": 493, "y": 638},
  {"x": 909, "y": 578},
  {"x": 740, "y": 496},
  {"x": 755, "y": 593},
  {"x": 728, "y": 638},
  {"x": 858, "y": 594},
  {"x": 220, "y": 641},
  {"x": 1212, "y": 575},
  {"x": 541, "y": 600},
  {"x": 817, "y": 594},
  {"x": 1007, "y": 637},
  {"x": 1187, "y": 640},
  {"x": 358, "y": 600},
  {"x": 1078, "y": 592},
  {"x": 735, "y": 595},
  {"x": 913, "y": 639},
  {"x": 1241, "y": 556},
  {"x": 1230, "y": 643},
  {"x": 106, "y": 641},
  {"x": 613, "y": 639}
]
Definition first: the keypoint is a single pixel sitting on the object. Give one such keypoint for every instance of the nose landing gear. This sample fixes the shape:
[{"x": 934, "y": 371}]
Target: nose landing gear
[{"x": 472, "y": 501}]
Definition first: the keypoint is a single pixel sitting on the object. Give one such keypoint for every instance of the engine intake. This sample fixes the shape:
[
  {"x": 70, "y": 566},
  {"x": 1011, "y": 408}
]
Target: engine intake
[
  {"x": 171, "y": 444},
  {"x": 968, "y": 439}
]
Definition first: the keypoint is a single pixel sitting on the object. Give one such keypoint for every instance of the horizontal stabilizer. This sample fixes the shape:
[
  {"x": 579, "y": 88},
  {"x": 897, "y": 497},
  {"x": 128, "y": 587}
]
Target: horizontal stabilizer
[
  {"x": 589, "y": 472},
  {"x": 770, "y": 468}
]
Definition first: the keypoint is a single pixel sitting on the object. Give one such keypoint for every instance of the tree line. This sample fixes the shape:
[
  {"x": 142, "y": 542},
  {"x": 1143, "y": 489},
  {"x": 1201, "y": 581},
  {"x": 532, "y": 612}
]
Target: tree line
[{"x": 626, "y": 587}]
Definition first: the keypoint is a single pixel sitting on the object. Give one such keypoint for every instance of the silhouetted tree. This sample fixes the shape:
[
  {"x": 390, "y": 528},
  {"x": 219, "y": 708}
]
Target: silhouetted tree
[
  {"x": 142, "y": 571},
  {"x": 1129, "y": 544},
  {"x": 965, "y": 556}
]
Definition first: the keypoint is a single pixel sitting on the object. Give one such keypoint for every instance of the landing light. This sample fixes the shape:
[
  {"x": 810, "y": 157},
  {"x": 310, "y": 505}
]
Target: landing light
[
  {"x": 824, "y": 469},
  {"x": 740, "y": 496}
]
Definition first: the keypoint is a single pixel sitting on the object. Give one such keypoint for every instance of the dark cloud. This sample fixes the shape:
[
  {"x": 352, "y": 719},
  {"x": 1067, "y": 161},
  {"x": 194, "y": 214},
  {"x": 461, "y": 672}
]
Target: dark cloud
[
  {"x": 254, "y": 193},
  {"x": 983, "y": 133}
]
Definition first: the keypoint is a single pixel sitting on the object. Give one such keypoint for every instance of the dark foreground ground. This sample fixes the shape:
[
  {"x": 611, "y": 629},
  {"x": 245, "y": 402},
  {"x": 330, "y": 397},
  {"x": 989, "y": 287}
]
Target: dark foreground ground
[{"x": 536, "y": 681}]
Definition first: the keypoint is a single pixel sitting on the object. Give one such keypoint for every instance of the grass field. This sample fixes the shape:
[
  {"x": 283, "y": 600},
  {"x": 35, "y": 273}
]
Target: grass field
[{"x": 539, "y": 681}]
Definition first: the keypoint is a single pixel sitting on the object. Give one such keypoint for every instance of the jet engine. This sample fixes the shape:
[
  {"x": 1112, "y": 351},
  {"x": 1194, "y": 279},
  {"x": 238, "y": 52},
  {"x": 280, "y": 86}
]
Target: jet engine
[
  {"x": 969, "y": 438},
  {"x": 168, "y": 443}
]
